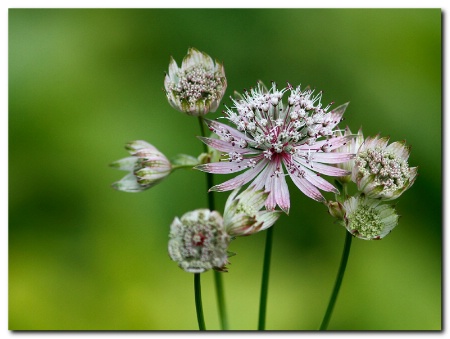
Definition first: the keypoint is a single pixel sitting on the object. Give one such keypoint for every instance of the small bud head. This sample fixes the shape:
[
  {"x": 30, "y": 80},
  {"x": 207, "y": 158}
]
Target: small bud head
[
  {"x": 198, "y": 86},
  {"x": 366, "y": 219},
  {"x": 147, "y": 167},
  {"x": 382, "y": 171},
  {"x": 243, "y": 214},
  {"x": 198, "y": 241}
]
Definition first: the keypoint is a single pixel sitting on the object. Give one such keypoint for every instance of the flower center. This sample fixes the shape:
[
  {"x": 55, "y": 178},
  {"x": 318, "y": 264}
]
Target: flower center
[
  {"x": 275, "y": 128},
  {"x": 366, "y": 222},
  {"x": 390, "y": 171},
  {"x": 197, "y": 83}
]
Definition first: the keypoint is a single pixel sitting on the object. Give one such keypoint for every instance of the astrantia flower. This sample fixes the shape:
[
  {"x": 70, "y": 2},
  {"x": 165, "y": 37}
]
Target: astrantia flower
[
  {"x": 366, "y": 219},
  {"x": 147, "y": 167},
  {"x": 198, "y": 241},
  {"x": 198, "y": 86},
  {"x": 271, "y": 137},
  {"x": 350, "y": 147},
  {"x": 243, "y": 214},
  {"x": 382, "y": 171}
]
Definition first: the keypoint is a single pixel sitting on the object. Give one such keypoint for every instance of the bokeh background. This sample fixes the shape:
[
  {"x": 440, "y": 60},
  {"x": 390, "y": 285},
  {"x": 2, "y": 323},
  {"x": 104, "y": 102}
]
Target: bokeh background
[{"x": 82, "y": 83}]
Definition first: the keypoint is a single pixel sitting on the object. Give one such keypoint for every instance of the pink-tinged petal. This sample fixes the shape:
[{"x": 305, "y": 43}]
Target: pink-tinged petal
[
  {"x": 215, "y": 125},
  {"x": 399, "y": 149},
  {"x": 193, "y": 58},
  {"x": 282, "y": 193},
  {"x": 307, "y": 188},
  {"x": 125, "y": 164},
  {"x": 319, "y": 182},
  {"x": 262, "y": 179},
  {"x": 331, "y": 158},
  {"x": 329, "y": 144},
  {"x": 271, "y": 202},
  {"x": 173, "y": 70},
  {"x": 336, "y": 115},
  {"x": 240, "y": 180},
  {"x": 225, "y": 146},
  {"x": 225, "y": 167},
  {"x": 370, "y": 142},
  {"x": 413, "y": 172},
  {"x": 268, "y": 219},
  {"x": 321, "y": 168},
  {"x": 382, "y": 142}
]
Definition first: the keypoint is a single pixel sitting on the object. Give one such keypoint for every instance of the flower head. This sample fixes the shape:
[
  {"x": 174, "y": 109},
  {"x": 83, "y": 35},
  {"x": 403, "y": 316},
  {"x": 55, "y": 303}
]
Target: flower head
[
  {"x": 350, "y": 147},
  {"x": 366, "y": 219},
  {"x": 198, "y": 86},
  {"x": 382, "y": 171},
  {"x": 198, "y": 241},
  {"x": 271, "y": 137},
  {"x": 147, "y": 167},
  {"x": 243, "y": 214}
]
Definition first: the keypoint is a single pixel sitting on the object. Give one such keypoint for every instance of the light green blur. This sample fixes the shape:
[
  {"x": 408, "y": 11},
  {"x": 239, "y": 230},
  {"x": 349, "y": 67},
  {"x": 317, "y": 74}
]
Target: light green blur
[{"x": 82, "y": 83}]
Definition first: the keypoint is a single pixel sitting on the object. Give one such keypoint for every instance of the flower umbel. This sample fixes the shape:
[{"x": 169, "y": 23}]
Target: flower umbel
[
  {"x": 366, "y": 219},
  {"x": 147, "y": 167},
  {"x": 198, "y": 241},
  {"x": 198, "y": 86},
  {"x": 382, "y": 171},
  {"x": 271, "y": 137},
  {"x": 243, "y": 214}
]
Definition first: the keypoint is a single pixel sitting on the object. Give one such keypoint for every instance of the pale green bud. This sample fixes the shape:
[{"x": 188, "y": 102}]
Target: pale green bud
[{"x": 367, "y": 219}]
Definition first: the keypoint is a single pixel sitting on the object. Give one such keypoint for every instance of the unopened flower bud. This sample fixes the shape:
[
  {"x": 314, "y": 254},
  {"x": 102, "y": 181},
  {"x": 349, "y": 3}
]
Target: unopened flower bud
[
  {"x": 366, "y": 219},
  {"x": 198, "y": 86},
  {"x": 382, "y": 171},
  {"x": 147, "y": 167},
  {"x": 336, "y": 209},
  {"x": 243, "y": 214},
  {"x": 198, "y": 241}
]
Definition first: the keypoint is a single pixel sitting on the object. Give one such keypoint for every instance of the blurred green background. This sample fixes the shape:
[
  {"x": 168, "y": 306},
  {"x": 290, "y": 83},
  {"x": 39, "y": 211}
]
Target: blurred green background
[{"x": 82, "y": 83}]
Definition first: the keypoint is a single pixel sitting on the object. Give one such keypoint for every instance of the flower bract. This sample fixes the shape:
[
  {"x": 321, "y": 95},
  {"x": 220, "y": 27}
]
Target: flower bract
[{"x": 198, "y": 86}]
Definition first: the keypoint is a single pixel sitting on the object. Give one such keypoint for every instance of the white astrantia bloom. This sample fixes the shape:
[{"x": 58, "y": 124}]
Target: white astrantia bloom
[
  {"x": 350, "y": 147},
  {"x": 243, "y": 214},
  {"x": 198, "y": 86},
  {"x": 382, "y": 171},
  {"x": 147, "y": 167},
  {"x": 272, "y": 138},
  {"x": 366, "y": 219},
  {"x": 198, "y": 241}
]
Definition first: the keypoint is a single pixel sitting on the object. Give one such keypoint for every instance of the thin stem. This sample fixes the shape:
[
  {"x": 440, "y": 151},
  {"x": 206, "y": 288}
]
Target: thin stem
[
  {"x": 337, "y": 284},
  {"x": 198, "y": 302},
  {"x": 265, "y": 280},
  {"x": 217, "y": 275}
]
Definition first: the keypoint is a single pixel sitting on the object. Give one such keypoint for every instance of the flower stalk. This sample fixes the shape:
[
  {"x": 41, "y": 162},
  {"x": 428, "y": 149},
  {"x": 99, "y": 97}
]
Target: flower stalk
[
  {"x": 198, "y": 302},
  {"x": 265, "y": 281},
  {"x": 217, "y": 275},
  {"x": 337, "y": 284}
]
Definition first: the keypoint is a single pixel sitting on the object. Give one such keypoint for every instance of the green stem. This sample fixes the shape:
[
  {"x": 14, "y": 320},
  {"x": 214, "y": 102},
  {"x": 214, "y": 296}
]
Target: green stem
[
  {"x": 265, "y": 280},
  {"x": 217, "y": 275},
  {"x": 337, "y": 284},
  {"x": 198, "y": 302}
]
